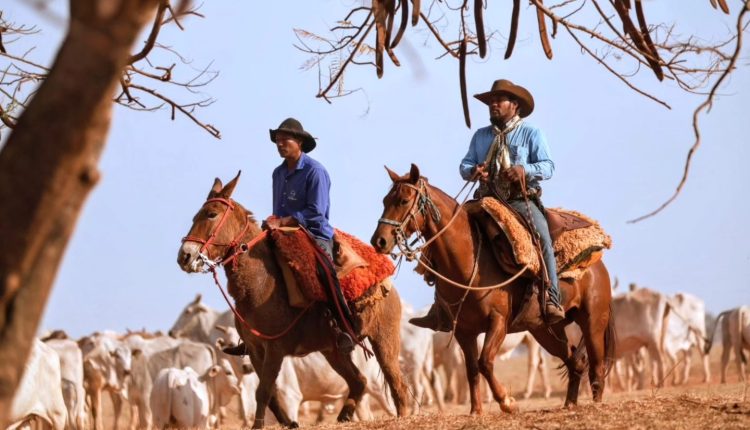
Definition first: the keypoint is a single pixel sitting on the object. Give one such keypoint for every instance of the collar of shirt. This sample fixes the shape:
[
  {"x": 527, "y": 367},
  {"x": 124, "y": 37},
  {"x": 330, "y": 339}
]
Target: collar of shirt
[{"x": 301, "y": 163}]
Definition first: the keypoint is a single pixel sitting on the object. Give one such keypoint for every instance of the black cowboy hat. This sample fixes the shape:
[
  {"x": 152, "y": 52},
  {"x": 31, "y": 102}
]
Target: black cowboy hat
[
  {"x": 294, "y": 127},
  {"x": 519, "y": 93}
]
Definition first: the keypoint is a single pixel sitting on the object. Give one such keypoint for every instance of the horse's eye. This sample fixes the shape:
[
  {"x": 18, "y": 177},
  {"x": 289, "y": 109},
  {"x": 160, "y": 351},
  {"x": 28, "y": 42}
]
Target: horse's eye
[
  {"x": 211, "y": 215},
  {"x": 404, "y": 202}
]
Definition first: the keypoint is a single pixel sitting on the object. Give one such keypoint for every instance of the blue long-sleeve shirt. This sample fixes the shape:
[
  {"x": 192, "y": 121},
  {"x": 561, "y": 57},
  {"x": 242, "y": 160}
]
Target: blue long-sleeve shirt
[
  {"x": 527, "y": 146},
  {"x": 303, "y": 194}
]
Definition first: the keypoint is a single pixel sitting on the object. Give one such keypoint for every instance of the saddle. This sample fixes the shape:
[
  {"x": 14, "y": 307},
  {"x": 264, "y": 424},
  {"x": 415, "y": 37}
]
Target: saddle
[
  {"x": 362, "y": 272},
  {"x": 578, "y": 241}
]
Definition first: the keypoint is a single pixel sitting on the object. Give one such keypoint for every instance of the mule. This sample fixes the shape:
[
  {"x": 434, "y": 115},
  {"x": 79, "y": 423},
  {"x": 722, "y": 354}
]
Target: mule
[
  {"x": 457, "y": 252},
  {"x": 224, "y": 231}
]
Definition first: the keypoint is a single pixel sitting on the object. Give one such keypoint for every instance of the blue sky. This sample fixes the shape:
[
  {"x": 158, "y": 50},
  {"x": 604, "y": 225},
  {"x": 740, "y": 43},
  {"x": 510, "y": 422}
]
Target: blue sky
[{"x": 617, "y": 155}]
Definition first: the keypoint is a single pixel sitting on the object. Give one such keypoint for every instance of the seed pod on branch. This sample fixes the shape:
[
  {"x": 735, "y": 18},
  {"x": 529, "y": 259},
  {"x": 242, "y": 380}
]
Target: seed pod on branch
[
  {"x": 462, "y": 80},
  {"x": 543, "y": 33},
  {"x": 479, "y": 24},
  {"x": 404, "y": 21},
  {"x": 513, "y": 28}
]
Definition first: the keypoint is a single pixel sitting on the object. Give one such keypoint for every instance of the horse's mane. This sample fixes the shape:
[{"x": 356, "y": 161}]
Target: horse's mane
[{"x": 250, "y": 215}]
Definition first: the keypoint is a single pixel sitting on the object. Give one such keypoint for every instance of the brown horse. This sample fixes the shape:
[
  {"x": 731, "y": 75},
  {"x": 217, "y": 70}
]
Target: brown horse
[
  {"x": 459, "y": 254},
  {"x": 256, "y": 283}
]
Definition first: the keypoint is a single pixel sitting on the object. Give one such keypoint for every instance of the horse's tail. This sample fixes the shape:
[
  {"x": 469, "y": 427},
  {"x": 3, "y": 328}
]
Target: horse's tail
[
  {"x": 610, "y": 340},
  {"x": 710, "y": 340}
]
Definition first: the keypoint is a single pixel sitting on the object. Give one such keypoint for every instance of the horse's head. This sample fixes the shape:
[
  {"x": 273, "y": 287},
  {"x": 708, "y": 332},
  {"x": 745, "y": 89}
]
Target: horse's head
[
  {"x": 407, "y": 208},
  {"x": 217, "y": 229}
]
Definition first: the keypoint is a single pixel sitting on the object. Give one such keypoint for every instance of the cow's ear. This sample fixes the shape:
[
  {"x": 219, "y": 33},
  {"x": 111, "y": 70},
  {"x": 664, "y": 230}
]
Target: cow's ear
[
  {"x": 198, "y": 296},
  {"x": 213, "y": 371}
]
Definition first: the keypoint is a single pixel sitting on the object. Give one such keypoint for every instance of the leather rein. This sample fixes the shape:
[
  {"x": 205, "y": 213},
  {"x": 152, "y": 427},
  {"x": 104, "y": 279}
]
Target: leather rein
[
  {"x": 421, "y": 203},
  {"x": 234, "y": 249}
]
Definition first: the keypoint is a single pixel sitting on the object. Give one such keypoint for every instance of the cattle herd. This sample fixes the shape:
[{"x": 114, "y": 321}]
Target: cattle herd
[{"x": 183, "y": 379}]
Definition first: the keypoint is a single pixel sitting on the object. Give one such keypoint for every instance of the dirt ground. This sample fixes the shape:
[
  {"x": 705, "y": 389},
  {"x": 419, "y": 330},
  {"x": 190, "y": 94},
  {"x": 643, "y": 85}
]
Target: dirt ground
[{"x": 693, "y": 405}]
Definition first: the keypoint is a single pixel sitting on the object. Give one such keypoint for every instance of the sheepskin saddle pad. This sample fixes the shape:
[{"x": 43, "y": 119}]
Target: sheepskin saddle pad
[
  {"x": 578, "y": 241},
  {"x": 358, "y": 266}
]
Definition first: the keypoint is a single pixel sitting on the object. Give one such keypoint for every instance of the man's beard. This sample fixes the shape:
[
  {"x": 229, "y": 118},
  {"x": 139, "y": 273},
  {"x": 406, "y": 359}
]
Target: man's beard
[{"x": 497, "y": 121}]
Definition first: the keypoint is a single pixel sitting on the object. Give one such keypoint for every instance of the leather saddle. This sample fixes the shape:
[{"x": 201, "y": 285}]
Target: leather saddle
[{"x": 559, "y": 222}]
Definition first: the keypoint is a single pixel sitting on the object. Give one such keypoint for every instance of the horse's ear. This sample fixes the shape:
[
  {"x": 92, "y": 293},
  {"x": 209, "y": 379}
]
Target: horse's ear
[
  {"x": 394, "y": 176},
  {"x": 229, "y": 188},
  {"x": 216, "y": 189},
  {"x": 414, "y": 174}
]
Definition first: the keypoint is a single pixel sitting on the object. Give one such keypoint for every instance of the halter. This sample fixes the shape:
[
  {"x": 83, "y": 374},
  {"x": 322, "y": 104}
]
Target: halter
[{"x": 234, "y": 244}]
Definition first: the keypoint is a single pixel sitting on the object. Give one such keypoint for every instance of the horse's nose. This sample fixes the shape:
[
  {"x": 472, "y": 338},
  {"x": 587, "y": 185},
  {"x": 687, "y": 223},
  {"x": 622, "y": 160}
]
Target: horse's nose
[
  {"x": 184, "y": 257},
  {"x": 378, "y": 242}
]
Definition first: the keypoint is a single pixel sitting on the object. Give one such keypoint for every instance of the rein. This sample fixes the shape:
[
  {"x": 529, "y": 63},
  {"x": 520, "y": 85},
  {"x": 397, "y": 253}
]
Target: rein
[
  {"x": 237, "y": 248},
  {"x": 420, "y": 203}
]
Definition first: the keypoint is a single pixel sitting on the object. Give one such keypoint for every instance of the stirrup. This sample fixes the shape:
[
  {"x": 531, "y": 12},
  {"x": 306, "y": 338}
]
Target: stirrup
[{"x": 236, "y": 350}]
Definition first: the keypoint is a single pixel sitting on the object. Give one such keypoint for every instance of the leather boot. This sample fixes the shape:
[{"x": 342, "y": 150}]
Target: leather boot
[
  {"x": 555, "y": 313},
  {"x": 237, "y": 350},
  {"x": 435, "y": 320}
]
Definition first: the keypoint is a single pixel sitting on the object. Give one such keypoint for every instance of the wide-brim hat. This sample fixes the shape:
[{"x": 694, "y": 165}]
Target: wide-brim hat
[
  {"x": 294, "y": 127},
  {"x": 519, "y": 93}
]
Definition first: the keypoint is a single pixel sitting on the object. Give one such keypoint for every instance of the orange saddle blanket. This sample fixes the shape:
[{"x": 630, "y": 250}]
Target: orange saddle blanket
[{"x": 358, "y": 265}]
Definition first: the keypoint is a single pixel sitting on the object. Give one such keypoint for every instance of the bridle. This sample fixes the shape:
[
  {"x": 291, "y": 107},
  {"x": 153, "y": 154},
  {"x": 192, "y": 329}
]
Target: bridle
[
  {"x": 234, "y": 249},
  {"x": 234, "y": 246},
  {"x": 420, "y": 205}
]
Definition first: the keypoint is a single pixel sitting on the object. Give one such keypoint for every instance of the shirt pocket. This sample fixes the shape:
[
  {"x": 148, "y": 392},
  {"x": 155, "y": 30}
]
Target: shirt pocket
[{"x": 519, "y": 155}]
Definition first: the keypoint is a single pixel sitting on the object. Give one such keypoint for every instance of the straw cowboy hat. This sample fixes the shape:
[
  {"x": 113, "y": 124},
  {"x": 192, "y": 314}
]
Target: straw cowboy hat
[
  {"x": 519, "y": 93},
  {"x": 294, "y": 127}
]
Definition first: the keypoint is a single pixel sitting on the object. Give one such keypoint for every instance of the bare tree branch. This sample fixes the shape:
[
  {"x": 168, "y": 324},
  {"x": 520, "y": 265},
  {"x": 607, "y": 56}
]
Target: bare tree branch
[{"x": 706, "y": 105}]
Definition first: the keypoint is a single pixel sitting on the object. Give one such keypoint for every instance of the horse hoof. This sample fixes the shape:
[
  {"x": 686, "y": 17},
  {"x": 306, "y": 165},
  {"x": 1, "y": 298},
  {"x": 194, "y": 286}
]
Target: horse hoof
[
  {"x": 508, "y": 405},
  {"x": 293, "y": 425}
]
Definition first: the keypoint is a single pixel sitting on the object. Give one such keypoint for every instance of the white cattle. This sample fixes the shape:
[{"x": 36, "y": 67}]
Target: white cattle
[
  {"x": 71, "y": 372},
  {"x": 151, "y": 356},
  {"x": 201, "y": 323},
  {"x": 39, "y": 394},
  {"x": 450, "y": 357},
  {"x": 181, "y": 398},
  {"x": 417, "y": 361},
  {"x": 106, "y": 366},
  {"x": 735, "y": 336},
  {"x": 685, "y": 330},
  {"x": 640, "y": 318},
  {"x": 311, "y": 378}
]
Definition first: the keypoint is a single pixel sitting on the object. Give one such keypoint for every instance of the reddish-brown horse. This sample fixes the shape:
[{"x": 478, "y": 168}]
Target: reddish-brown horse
[
  {"x": 459, "y": 254},
  {"x": 224, "y": 231}
]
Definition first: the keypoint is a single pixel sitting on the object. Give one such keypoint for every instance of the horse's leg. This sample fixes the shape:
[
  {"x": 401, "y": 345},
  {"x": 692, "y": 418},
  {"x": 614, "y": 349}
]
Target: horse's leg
[
  {"x": 468, "y": 345},
  {"x": 344, "y": 366},
  {"x": 387, "y": 347},
  {"x": 268, "y": 365},
  {"x": 555, "y": 341},
  {"x": 492, "y": 341},
  {"x": 596, "y": 341}
]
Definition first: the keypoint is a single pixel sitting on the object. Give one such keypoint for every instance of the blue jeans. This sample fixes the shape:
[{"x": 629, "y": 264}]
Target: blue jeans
[{"x": 539, "y": 222}]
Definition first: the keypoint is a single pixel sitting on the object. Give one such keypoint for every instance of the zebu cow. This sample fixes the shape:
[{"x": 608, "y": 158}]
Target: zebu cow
[
  {"x": 182, "y": 398},
  {"x": 417, "y": 362},
  {"x": 39, "y": 394},
  {"x": 311, "y": 378},
  {"x": 151, "y": 356},
  {"x": 71, "y": 372},
  {"x": 450, "y": 357},
  {"x": 106, "y": 365},
  {"x": 685, "y": 330},
  {"x": 201, "y": 323},
  {"x": 640, "y": 316},
  {"x": 735, "y": 336}
]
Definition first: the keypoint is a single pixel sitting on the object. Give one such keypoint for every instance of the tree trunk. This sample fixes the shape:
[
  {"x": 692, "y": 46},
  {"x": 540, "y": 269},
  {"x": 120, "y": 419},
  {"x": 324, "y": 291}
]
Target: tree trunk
[{"x": 49, "y": 165}]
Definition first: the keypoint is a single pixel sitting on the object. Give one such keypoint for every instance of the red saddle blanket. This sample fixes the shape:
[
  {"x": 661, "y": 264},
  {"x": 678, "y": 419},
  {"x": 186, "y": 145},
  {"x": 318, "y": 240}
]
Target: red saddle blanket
[{"x": 297, "y": 250}]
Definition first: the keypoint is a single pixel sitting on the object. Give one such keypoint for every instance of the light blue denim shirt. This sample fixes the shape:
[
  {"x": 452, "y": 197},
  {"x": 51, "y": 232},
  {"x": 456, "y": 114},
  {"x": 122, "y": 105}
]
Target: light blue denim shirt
[{"x": 527, "y": 145}]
